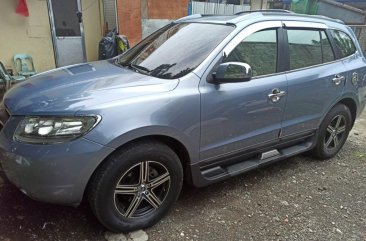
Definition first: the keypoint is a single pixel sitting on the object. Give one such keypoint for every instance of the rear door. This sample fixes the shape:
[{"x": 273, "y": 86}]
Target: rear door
[
  {"x": 315, "y": 78},
  {"x": 354, "y": 63}
]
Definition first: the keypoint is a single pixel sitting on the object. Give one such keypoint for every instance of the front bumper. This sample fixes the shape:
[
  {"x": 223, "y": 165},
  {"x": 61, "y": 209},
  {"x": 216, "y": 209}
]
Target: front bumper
[{"x": 56, "y": 173}]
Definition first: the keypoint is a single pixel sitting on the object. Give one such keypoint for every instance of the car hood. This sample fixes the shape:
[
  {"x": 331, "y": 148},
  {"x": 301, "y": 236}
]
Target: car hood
[{"x": 69, "y": 89}]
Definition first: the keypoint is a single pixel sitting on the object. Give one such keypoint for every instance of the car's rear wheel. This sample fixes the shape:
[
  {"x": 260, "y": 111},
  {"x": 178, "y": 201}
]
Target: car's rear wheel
[
  {"x": 136, "y": 186},
  {"x": 333, "y": 132}
]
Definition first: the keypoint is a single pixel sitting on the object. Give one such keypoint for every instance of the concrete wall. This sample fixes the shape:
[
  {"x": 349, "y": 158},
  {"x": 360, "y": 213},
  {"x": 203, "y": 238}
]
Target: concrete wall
[
  {"x": 348, "y": 14},
  {"x": 30, "y": 35},
  {"x": 151, "y": 25},
  {"x": 157, "y": 14},
  {"x": 258, "y": 4},
  {"x": 93, "y": 21}
]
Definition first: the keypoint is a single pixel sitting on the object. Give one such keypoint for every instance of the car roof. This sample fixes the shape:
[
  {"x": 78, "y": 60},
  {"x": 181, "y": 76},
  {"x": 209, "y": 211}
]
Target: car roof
[{"x": 272, "y": 14}]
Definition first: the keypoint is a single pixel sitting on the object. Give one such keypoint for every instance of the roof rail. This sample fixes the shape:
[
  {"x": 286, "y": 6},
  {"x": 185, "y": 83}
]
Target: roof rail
[
  {"x": 193, "y": 16},
  {"x": 265, "y": 11}
]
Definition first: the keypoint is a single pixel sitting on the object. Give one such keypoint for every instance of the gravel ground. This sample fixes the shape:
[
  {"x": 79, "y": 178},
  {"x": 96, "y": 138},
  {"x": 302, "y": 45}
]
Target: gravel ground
[{"x": 296, "y": 199}]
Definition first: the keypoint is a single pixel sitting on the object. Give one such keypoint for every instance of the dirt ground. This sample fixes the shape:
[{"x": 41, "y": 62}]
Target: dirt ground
[{"x": 296, "y": 199}]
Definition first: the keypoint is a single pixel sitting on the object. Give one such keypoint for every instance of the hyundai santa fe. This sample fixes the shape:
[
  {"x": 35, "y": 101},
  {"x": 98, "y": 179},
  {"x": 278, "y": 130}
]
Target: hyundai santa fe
[{"x": 202, "y": 99}]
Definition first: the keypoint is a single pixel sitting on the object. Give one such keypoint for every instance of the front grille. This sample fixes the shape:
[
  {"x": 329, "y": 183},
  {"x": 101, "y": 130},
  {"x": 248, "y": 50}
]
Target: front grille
[{"x": 4, "y": 115}]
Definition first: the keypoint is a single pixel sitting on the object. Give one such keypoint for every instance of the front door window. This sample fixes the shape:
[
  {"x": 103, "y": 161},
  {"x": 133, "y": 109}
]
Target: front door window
[{"x": 259, "y": 50}]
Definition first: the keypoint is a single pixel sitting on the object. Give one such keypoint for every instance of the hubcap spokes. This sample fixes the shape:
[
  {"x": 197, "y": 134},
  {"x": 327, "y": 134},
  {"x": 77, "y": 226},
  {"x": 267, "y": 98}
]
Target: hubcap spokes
[
  {"x": 335, "y": 132},
  {"x": 145, "y": 193}
]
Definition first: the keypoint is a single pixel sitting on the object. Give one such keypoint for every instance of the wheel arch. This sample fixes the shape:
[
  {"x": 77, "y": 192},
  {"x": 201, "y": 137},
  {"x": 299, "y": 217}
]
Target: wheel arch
[
  {"x": 348, "y": 101},
  {"x": 176, "y": 145},
  {"x": 351, "y": 105}
]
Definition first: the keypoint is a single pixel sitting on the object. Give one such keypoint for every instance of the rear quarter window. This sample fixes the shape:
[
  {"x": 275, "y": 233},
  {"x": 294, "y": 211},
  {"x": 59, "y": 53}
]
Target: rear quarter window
[{"x": 344, "y": 44}]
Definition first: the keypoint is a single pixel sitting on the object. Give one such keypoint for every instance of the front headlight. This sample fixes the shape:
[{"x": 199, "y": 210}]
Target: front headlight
[{"x": 49, "y": 130}]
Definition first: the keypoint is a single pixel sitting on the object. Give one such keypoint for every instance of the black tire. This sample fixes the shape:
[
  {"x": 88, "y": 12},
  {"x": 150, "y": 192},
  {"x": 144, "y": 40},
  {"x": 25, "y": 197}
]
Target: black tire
[
  {"x": 326, "y": 146},
  {"x": 113, "y": 209}
]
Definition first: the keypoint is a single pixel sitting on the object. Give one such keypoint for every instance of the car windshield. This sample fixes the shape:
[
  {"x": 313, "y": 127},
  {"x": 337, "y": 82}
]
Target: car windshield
[{"x": 175, "y": 50}]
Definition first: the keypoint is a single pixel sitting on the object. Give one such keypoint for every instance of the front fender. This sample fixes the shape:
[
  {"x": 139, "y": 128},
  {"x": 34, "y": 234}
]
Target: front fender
[
  {"x": 165, "y": 131},
  {"x": 174, "y": 114}
]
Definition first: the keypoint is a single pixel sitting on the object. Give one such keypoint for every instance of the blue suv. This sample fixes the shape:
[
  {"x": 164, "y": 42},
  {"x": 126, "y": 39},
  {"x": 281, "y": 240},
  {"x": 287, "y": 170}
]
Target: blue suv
[{"x": 202, "y": 99}]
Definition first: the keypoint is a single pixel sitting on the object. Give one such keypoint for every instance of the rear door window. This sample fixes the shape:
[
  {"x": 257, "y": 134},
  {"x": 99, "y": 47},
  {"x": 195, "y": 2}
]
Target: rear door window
[
  {"x": 344, "y": 43},
  {"x": 304, "y": 47},
  {"x": 308, "y": 47}
]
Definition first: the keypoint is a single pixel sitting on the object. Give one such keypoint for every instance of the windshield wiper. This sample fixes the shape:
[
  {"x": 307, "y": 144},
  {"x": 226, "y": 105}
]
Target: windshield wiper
[
  {"x": 139, "y": 68},
  {"x": 136, "y": 67}
]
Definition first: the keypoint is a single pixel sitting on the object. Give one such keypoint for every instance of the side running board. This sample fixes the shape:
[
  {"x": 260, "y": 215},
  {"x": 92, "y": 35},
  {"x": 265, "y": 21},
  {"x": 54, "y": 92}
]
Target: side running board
[{"x": 221, "y": 172}]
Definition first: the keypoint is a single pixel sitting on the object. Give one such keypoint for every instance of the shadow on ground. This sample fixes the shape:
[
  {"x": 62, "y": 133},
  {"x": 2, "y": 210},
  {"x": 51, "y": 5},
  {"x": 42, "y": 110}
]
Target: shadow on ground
[{"x": 25, "y": 219}]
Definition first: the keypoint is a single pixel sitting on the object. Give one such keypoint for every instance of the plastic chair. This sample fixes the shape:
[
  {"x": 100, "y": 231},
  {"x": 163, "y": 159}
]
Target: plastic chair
[
  {"x": 8, "y": 79},
  {"x": 23, "y": 64}
]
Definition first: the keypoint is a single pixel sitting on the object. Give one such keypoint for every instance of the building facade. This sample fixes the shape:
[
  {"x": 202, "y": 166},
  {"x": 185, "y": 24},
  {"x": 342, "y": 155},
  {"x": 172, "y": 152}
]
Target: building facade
[{"x": 56, "y": 32}]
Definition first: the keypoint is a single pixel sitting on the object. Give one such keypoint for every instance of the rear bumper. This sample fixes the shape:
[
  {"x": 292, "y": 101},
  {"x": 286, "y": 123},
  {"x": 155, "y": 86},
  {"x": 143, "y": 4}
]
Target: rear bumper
[{"x": 56, "y": 173}]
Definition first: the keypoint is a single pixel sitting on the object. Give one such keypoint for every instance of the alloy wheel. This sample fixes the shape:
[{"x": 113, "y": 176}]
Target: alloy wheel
[
  {"x": 335, "y": 132},
  {"x": 142, "y": 189}
]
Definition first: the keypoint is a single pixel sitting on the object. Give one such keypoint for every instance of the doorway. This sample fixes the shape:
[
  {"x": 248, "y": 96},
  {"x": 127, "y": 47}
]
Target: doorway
[{"x": 67, "y": 31}]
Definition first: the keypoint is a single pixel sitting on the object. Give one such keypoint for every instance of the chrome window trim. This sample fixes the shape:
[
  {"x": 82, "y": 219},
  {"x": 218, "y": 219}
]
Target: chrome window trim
[
  {"x": 245, "y": 32},
  {"x": 237, "y": 33},
  {"x": 304, "y": 68},
  {"x": 267, "y": 75},
  {"x": 303, "y": 24},
  {"x": 330, "y": 62},
  {"x": 318, "y": 65},
  {"x": 268, "y": 24}
]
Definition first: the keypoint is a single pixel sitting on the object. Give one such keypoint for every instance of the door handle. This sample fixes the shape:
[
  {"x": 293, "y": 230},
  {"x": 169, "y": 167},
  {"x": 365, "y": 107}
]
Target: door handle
[
  {"x": 276, "y": 95},
  {"x": 338, "y": 79}
]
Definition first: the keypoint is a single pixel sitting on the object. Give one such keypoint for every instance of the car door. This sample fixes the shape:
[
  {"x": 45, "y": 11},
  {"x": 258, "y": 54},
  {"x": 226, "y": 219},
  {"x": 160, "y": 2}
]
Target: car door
[
  {"x": 315, "y": 78},
  {"x": 236, "y": 117}
]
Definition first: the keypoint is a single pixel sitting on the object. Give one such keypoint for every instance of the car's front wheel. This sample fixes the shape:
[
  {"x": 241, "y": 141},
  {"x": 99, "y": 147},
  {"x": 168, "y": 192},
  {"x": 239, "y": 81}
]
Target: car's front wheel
[
  {"x": 333, "y": 132},
  {"x": 136, "y": 186}
]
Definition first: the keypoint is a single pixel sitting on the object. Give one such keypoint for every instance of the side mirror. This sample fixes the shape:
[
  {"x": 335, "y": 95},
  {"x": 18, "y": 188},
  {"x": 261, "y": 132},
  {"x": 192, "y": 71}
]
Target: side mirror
[{"x": 232, "y": 72}]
